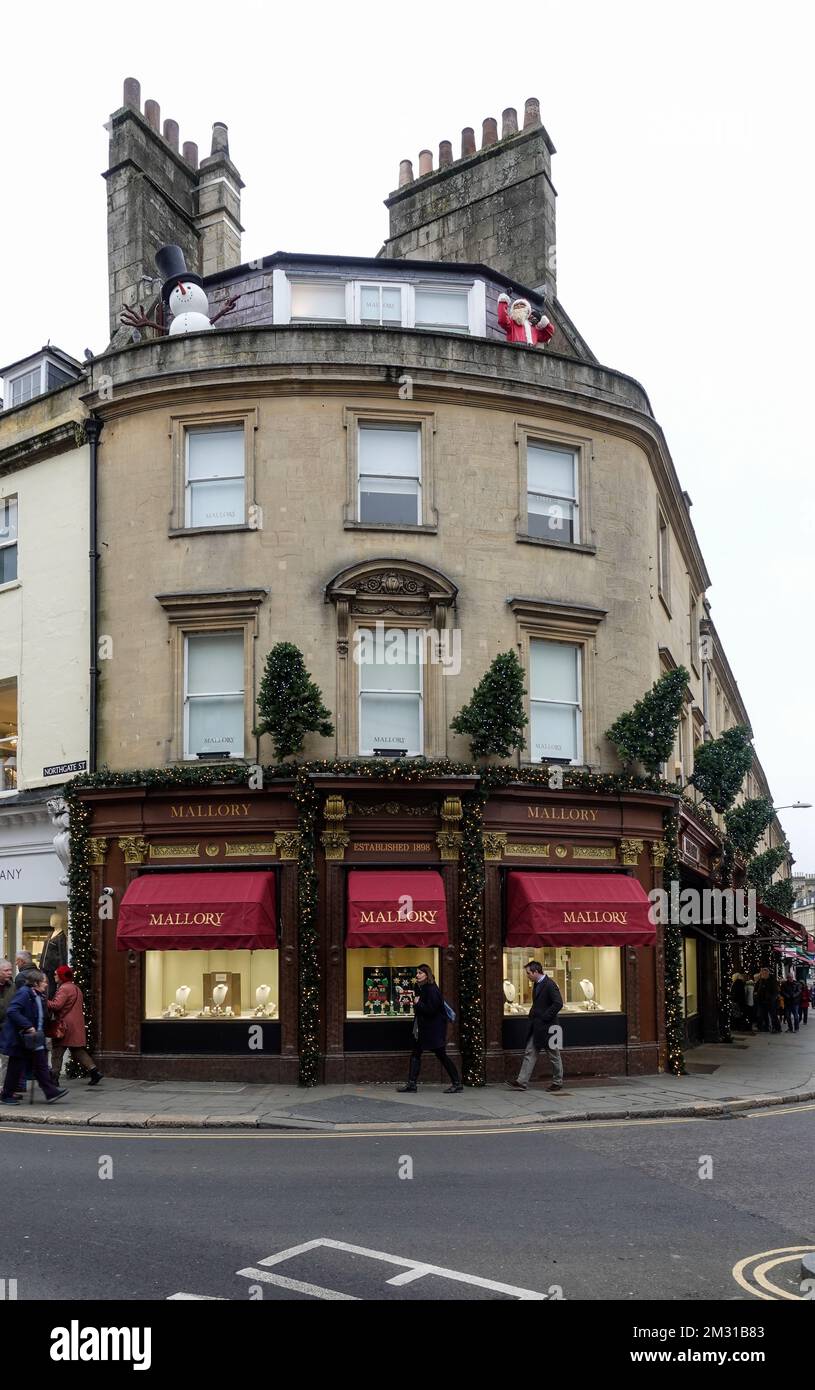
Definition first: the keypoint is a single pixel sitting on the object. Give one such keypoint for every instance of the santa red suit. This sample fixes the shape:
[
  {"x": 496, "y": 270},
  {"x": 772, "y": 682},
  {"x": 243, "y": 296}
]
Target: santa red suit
[{"x": 524, "y": 332}]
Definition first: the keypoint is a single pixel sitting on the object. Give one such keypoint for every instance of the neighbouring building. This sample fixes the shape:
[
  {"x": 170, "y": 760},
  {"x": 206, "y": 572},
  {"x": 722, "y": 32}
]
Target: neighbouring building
[
  {"x": 356, "y": 460},
  {"x": 44, "y": 636}
]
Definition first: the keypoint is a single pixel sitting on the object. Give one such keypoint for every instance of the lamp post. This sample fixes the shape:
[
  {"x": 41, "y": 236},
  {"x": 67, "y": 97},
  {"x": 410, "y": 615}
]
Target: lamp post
[{"x": 795, "y": 806}]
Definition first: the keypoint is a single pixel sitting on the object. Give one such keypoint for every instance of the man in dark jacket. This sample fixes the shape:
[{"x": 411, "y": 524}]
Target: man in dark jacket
[
  {"x": 547, "y": 1003},
  {"x": 7, "y": 988}
]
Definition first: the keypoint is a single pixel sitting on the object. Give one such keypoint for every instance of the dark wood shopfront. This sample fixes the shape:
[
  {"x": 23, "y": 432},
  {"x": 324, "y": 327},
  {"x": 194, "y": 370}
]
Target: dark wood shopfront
[
  {"x": 367, "y": 826},
  {"x": 135, "y": 831}
]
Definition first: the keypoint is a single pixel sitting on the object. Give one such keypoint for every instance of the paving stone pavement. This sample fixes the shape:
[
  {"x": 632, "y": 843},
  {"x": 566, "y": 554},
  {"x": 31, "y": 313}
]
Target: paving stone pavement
[{"x": 765, "y": 1069}]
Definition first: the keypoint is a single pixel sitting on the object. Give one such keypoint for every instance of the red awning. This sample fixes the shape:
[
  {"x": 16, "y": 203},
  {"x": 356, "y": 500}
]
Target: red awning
[
  {"x": 396, "y": 909},
  {"x": 198, "y": 912},
  {"x": 788, "y": 926},
  {"x": 577, "y": 910}
]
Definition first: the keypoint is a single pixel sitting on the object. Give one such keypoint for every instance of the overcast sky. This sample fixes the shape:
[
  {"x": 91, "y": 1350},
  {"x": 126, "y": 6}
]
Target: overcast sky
[{"x": 685, "y": 225}]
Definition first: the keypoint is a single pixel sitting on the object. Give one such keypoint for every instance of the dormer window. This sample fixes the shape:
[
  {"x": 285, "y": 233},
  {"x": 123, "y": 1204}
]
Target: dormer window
[
  {"x": 442, "y": 306},
  {"x": 33, "y": 376}
]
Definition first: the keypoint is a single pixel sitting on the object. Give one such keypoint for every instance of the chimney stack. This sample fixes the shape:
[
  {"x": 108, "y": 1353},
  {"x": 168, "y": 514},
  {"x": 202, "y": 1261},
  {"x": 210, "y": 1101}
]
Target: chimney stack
[
  {"x": 157, "y": 197},
  {"x": 494, "y": 206},
  {"x": 218, "y": 218}
]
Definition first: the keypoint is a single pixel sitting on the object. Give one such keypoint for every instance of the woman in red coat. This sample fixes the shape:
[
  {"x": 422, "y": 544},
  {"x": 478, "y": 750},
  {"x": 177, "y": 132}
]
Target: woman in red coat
[
  {"x": 806, "y": 996},
  {"x": 67, "y": 1026}
]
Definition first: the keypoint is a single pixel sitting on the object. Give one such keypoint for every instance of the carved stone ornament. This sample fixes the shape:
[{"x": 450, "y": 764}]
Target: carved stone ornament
[
  {"x": 391, "y": 584},
  {"x": 659, "y": 849},
  {"x": 630, "y": 851},
  {"x": 334, "y": 808},
  {"x": 134, "y": 848},
  {"x": 97, "y": 851},
  {"x": 288, "y": 843},
  {"x": 58, "y": 811},
  {"x": 494, "y": 843}
]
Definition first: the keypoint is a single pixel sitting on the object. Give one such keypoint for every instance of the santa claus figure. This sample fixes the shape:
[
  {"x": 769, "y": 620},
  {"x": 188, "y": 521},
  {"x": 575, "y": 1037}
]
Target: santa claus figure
[{"x": 516, "y": 321}]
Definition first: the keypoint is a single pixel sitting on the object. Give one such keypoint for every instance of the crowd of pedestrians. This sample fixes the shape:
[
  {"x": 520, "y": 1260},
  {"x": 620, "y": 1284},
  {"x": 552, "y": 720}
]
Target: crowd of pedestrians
[
  {"x": 766, "y": 1003},
  {"x": 30, "y": 1020}
]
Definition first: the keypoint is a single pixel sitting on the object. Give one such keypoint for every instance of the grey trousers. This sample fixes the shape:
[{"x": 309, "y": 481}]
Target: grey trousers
[{"x": 530, "y": 1058}]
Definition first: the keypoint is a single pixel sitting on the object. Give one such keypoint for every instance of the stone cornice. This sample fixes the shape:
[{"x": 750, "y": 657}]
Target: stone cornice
[{"x": 59, "y": 439}]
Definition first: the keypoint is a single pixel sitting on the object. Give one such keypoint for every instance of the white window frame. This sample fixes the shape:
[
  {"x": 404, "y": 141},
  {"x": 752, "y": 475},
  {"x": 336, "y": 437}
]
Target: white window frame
[
  {"x": 574, "y": 500},
  {"x": 569, "y": 704},
  {"x": 9, "y": 545},
  {"x": 41, "y": 367},
  {"x": 216, "y": 428},
  {"x": 282, "y": 282},
  {"x": 404, "y": 428},
  {"x": 9, "y": 758},
  {"x": 359, "y": 285},
  {"x": 211, "y": 694},
  {"x": 401, "y": 690}
]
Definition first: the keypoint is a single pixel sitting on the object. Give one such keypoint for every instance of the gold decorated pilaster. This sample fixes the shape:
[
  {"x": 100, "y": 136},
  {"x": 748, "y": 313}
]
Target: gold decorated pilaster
[
  {"x": 494, "y": 843},
  {"x": 659, "y": 849},
  {"x": 134, "y": 848},
  {"x": 335, "y": 837},
  {"x": 287, "y": 843},
  {"x": 97, "y": 851},
  {"x": 630, "y": 851},
  {"x": 449, "y": 838}
]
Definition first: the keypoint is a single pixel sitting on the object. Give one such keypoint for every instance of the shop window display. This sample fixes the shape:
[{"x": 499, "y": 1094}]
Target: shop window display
[
  {"x": 215, "y": 985},
  {"x": 381, "y": 982},
  {"x": 588, "y": 977}
]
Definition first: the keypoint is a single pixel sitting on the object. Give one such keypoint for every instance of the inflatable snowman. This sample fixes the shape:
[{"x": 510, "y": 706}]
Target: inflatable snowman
[{"x": 182, "y": 292}]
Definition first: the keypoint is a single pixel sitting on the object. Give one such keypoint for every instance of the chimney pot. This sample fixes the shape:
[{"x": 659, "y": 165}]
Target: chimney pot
[
  {"x": 445, "y": 154},
  {"x": 532, "y": 113},
  {"x": 191, "y": 153},
  {"x": 467, "y": 141},
  {"x": 171, "y": 134},
  {"x": 405, "y": 172},
  {"x": 509, "y": 122},
  {"x": 425, "y": 162},
  {"x": 132, "y": 93},
  {"x": 220, "y": 139},
  {"x": 152, "y": 114},
  {"x": 489, "y": 132}
]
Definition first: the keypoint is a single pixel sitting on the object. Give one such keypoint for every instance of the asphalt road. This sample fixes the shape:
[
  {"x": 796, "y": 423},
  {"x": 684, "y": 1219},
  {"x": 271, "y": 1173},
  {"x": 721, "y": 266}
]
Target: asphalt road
[{"x": 602, "y": 1211}]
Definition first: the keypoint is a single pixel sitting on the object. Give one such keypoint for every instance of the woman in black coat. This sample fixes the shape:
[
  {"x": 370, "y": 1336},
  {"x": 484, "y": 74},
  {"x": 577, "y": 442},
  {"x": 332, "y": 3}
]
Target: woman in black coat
[{"x": 430, "y": 1031}]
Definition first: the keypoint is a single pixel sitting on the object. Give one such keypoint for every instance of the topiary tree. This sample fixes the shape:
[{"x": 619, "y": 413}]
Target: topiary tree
[
  {"x": 289, "y": 704},
  {"x": 746, "y": 823},
  {"x": 647, "y": 733},
  {"x": 761, "y": 868},
  {"x": 494, "y": 718},
  {"x": 719, "y": 767},
  {"x": 780, "y": 896}
]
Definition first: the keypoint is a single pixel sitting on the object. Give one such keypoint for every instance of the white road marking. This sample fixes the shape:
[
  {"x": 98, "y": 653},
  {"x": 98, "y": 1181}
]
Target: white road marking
[
  {"x": 198, "y": 1297},
  {"x": 413, "y": 1269},
  {"x": 297, "y": 1286}
]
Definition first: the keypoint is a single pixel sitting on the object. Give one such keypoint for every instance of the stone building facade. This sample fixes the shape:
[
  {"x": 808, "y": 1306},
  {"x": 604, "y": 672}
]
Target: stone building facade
[{"x": 357, "y": 452}]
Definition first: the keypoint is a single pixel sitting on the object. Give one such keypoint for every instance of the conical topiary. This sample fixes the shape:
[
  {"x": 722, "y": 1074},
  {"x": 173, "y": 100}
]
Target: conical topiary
[
  {"x": 289, "y": 704},
  {"x": 494, "y": 718}
]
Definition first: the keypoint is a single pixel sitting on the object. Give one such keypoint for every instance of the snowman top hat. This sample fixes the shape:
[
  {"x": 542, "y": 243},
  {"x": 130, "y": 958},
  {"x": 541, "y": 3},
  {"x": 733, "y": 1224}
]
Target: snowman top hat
[{"x": 173, "y": 269}]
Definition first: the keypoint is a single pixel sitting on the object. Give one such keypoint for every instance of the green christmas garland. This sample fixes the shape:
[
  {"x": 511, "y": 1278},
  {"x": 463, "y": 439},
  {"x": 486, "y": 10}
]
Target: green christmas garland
[
  {"x": 308, "y": 804},
  {"x": 471, "y": 940},
  {"x": 672, "y": 939}
]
